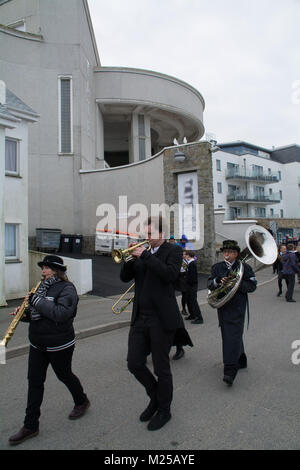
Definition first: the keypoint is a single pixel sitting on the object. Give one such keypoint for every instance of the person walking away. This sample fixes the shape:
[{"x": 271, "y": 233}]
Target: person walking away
[
  {"x": 192, "y": 289},
  {"x": 289, "y": 269}
]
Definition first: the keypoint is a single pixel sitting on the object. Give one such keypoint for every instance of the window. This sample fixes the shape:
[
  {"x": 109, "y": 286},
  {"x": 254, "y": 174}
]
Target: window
[
  {"x": 257, "y": 170},
  {"x": 234, "y": 212},
  {"x": 281, "y": 213},
  {"x": 65, "y": 119},
  {"x": 11, "y": 157},
  {"x": 260, "y": 212},
  {"x": 11, "y": 237},
  {"x": 280, "y": 194},
  {"x": 219, "y": 188},
  {"x": 271, "y": 212},
  {"x": 218, "y": 164}
]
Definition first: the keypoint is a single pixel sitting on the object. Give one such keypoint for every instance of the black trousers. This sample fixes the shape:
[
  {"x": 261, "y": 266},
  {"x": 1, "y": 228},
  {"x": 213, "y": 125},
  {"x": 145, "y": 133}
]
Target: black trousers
[
  {"x": 232, "y": 342},
  {"x": 192, "y": 303},
  {"x": 147, "y": 336},
  {"x": 38, "y": 363},
  {"x": 290, "y": 281},
  {"x": 280, "y": 279}
]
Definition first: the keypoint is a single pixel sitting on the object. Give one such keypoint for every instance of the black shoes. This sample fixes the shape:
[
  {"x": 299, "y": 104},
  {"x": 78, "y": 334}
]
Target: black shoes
[
  {"x": 279, "y": 293},
  {"x": 150, "y": 410},
  {"x": 228, "y": 379},
  {"x": 80, "y": 410},
  {"x": 22, "y": 435},
  {"x": 159, "y": 420},
  {"x": 197, "y": 321},
  {"x": 179, "y": 354},
  {"x": 290, "y": 300},
  {"x": 189, "y": 318}
]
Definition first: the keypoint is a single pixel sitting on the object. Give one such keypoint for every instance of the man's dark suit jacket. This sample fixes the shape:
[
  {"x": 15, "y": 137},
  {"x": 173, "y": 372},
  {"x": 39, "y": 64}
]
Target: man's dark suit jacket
[{"x": 155, "y": 276}]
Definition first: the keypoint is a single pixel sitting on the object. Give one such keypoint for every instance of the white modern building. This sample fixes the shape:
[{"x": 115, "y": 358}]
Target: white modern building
[
  {"x": 15, "y": 116},
  {"x": 255, "y": 182},
  {"x": 92, "y": 117}
]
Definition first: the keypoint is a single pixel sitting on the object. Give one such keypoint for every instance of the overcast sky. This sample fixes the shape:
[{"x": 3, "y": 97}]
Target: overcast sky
[{"x": 242, "y": 55}]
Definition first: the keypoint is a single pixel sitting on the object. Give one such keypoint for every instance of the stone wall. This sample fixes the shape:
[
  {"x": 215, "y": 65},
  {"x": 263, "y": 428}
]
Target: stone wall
[{"x": 197, "y": 158}]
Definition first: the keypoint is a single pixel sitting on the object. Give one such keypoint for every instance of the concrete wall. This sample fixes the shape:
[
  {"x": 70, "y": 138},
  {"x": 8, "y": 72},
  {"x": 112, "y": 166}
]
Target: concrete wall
[
  {"x": 79, "y": 271},
  {"x": 198, "y": 158},
  {"x": 231, "y": 229},
  {"x": 64, "y": 47},
  {"x": 141, "y": 183}
]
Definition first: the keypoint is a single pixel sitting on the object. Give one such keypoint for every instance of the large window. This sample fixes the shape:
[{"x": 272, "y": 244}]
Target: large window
[
  {"x": 65, "y": 120},
  {"x": 11, "y": 157},
  {"x": 11, "y": 241}
]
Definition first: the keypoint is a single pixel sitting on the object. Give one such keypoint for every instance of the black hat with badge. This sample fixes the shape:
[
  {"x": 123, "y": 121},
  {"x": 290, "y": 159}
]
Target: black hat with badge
[
  {"x": 53, "y": 262},
  {"x": 230, "y": 245}
]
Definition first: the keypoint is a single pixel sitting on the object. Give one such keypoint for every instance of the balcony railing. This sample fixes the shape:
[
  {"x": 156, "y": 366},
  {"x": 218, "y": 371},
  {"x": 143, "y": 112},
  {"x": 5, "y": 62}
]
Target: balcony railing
[
  {"x": 252, "y": 176},
  {"x": 253, "y": 198}
]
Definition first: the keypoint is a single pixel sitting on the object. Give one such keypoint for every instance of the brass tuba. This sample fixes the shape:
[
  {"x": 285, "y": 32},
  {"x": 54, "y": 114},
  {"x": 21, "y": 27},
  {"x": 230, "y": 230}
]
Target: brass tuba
[{"x": 260, "y": 245}]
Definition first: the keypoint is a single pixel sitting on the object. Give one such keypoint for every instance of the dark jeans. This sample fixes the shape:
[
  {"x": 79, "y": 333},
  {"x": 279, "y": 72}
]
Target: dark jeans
[
  {"x": 192, "y": 303},
  {"x": 280, "y": 279},
  {"x": 147, "y": 336},
  {"x": 38, "y": 363},
  {"x": 290, "y": 280}
]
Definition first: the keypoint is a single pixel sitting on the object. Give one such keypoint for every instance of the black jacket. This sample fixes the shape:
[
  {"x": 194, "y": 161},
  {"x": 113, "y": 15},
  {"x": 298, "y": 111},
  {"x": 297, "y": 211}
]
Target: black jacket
[
  {"x": 235, "y": 307},
  {"x": 192, "y": 276},
  {"x": 57, "y": 310},
  {"x": 155, "y": 276}
]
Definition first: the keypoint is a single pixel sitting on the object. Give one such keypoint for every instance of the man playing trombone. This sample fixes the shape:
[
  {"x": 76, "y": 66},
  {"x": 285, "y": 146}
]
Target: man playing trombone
[{"x": 155, "y": 319}]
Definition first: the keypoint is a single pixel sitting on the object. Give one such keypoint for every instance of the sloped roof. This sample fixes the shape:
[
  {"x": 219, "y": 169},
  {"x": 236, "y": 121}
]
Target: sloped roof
[
  {"x": 288, "y": 154},
  {"x": 14, "y": 103}
]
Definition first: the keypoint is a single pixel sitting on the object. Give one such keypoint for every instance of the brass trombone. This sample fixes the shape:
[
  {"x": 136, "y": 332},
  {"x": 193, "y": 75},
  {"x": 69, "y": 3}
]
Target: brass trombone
[
  {"x": 126, "y": 255},
  {"x": 117, "y": 308}
]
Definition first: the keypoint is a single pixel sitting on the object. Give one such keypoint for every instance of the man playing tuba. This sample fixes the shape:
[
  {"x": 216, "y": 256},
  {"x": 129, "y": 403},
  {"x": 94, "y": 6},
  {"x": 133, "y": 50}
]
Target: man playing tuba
[{"x": 232, "y": 315}]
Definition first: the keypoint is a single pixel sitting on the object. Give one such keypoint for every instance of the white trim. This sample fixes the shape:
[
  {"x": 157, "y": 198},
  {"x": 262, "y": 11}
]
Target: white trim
[
  {"x": 17, "y": 172},
  {"x": 17, "y": 239},
  {"x": 59, "y": 78}
]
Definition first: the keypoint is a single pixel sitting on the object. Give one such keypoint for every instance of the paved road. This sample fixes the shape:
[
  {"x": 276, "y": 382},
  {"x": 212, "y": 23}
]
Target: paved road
[{"x": 261, "y": 410}]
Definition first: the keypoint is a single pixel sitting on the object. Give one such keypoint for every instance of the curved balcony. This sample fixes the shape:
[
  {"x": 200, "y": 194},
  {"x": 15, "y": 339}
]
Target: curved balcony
[{"x": 174, "y": 108}]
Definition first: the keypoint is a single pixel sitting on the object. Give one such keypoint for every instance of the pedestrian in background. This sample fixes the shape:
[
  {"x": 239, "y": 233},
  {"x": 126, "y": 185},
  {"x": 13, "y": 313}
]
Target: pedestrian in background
[{"x": 289, "y": 268}]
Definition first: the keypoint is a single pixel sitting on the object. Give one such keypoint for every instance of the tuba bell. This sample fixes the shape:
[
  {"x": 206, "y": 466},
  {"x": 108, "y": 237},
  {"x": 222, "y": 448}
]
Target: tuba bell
[{"x": 260, "y": 245}]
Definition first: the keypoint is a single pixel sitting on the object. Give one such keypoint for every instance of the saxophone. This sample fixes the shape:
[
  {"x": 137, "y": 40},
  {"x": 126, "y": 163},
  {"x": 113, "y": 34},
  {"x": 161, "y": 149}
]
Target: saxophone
[{"x": 13, "y": 325}]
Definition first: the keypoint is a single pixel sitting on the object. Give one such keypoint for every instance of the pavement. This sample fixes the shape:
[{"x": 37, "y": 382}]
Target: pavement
[
  {"x": 94, "y": 315},
  {"x": 260, "y": 411}
]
